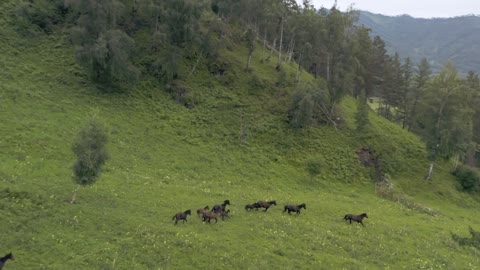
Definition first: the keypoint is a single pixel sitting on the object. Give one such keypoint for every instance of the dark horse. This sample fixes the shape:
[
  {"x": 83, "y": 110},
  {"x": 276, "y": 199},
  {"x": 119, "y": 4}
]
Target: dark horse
[
  {"x": 252, "y": 206},
  {"x": 202, "y": 210},
  {"x": 221, "y": 207},
  {"x": 358, "y": 218},
  {"x": 4, "y": 259},
  {"x": 266, "y": 205},
  {"x": 181, "y": 216},
  {"x": 294, "y": 208}
]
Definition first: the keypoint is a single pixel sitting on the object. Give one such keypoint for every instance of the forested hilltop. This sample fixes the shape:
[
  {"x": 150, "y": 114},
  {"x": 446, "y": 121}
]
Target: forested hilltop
[
  {"x": 438, "y": 39},
  {"x": 117, "y": 114}
]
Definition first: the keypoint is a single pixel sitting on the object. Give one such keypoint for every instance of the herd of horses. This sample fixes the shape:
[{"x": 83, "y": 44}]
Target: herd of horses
[{"x": 220, "y": 211}]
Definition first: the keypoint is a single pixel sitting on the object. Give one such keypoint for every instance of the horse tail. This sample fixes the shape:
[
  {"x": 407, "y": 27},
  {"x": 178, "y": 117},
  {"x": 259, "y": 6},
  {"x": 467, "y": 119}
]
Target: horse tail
[
  {"x": 174, "y": 217},
  {"x": 345, "y": 217}
]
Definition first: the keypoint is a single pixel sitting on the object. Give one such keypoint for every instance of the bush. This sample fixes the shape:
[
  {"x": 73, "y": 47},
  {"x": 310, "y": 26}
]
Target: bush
[
  {"x": 300, "y": 114},
  {"x": 314, "y": 167},
  {"x": 474, "y": 241},
  {"x": 39, "y": 15},
  {"x": 468, "y": 178},
  {"x": 89, "y": 147}
]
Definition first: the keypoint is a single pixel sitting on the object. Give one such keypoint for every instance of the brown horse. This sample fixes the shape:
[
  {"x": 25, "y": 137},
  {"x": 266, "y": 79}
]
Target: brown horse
[
  {"x": 207, "y": 216},
  {"x": 5, "y": 258},
  {"x": 181, "y": 216},
  {"x": 266, "y": 205},
  {"x": 294, "y": 208},
  {"x": 358, "y": 218},
  {"x": 200, "y": 211},
  {"x": 252, "y": 206}
]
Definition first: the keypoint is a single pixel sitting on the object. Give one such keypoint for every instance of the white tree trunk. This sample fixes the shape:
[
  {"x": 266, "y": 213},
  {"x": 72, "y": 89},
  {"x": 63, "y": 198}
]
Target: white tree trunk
[
  {"x": 74, "y": 196},
  {"x": 248, "y": 61},
  {"x": 273, "y": 48},
  {"x": 430, "y": 171},
  {"x": 281, "y": 40}
]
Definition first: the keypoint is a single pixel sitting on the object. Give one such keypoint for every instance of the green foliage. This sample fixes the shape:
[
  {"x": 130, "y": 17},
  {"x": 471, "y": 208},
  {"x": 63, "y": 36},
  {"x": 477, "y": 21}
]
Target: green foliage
[
  {"x": 446, "y": 117},
  {"x": 473, "y": 241},
  {"x": 36, "y": 16},
  {"x": 314, "y": 166},
  {"x": 362, "y": 122},
  {"x": 310, "y": 105},
  {"x": 468, "y": 178},
  {"x": 301, "y": 110},
  {"x": 108, "y": 59},
  {"x": 102, "y": 48},
  {"x": 89, "y": 148}
]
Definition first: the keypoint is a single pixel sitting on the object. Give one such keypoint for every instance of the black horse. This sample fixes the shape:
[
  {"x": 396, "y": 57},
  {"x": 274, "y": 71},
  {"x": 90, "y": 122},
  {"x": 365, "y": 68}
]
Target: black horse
[
  {"x": 266, "y": 205},
  {"x": 294, "y": 208},
  {"x": 253, "y": 206},
  {"x": 221, "y": 207},
  {"x": 5, "y": 258},
  {"x": 181, "y": 216},
  {"x": 358, "y": 218}
]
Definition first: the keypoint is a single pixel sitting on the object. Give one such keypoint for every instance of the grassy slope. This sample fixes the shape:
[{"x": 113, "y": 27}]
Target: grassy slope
[{"x": 166, "y": 158}]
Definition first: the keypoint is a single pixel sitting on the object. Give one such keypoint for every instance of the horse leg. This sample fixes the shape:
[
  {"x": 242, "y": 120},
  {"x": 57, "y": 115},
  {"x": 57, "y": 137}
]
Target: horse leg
[
  {"x": 216, "y": 220},
  {"x": 361, "y": 223}
]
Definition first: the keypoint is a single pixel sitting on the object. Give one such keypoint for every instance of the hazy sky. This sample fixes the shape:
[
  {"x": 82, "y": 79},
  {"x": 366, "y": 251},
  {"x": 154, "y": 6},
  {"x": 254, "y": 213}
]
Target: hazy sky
[{"x": 414, "y": 8}]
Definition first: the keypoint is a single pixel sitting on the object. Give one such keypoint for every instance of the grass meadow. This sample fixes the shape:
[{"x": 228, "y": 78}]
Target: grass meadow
[{"x": 234, "y": 144}]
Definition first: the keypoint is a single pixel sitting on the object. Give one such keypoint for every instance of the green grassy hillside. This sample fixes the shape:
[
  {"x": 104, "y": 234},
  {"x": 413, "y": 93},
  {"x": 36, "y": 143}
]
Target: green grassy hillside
[{"x": 166, "y": 158}]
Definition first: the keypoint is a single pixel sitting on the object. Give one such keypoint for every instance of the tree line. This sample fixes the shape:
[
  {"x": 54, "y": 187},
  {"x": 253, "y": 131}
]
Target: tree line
[{"x": 118, "y": 41}]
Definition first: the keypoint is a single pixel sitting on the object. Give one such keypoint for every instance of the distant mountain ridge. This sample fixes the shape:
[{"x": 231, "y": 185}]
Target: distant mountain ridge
[{"x": 438, "y": 39}]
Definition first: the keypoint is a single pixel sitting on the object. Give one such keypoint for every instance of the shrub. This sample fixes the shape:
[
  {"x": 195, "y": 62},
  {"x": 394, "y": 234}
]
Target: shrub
[
  {"x": 468, "y": 178},
  {"x": 314, "y": 167},
  {"x": 474, "y": 241},
  {"x": 36, "y": 16},
  {"x": 89, "y": 147},
  {"x": 300, "y": 114}
]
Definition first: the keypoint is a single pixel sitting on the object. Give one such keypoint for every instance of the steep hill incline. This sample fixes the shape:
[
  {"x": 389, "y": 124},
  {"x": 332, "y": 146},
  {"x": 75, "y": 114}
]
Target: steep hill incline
[
  {"x": 233, "y": 144},
  {"x": 439, "y": 40}
]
